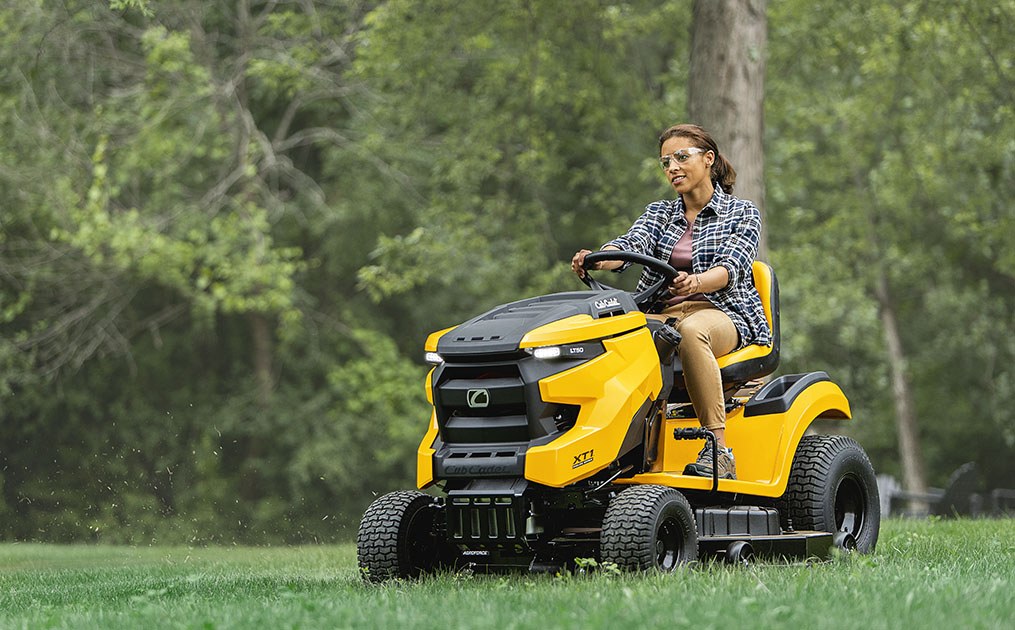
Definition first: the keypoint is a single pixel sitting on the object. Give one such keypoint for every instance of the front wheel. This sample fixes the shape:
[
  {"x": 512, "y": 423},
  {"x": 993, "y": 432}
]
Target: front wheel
[
  {"x": 649, "y": 528},
  {"x": 398, "y": 537},
  {"x": 832, "y": 488}
]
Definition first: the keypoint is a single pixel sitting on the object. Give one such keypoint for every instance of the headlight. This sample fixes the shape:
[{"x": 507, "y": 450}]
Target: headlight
[
  {"x": 433, "y": 357},
  {"x": 585, "y": 350},
  {"x": 547, "y": 352}
]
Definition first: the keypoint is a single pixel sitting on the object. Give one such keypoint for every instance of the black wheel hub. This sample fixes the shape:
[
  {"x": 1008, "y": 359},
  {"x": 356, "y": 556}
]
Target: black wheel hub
[
  {"x": 669, "y": 545},
  {"x": 850, "y": 502}
]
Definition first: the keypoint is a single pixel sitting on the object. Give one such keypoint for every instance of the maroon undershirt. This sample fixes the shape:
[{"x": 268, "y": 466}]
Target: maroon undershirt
[{"x": 680, "y": 259}]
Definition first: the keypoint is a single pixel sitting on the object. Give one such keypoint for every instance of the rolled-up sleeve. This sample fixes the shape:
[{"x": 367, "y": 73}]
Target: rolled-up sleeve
[{"x": 737, "y": 252}]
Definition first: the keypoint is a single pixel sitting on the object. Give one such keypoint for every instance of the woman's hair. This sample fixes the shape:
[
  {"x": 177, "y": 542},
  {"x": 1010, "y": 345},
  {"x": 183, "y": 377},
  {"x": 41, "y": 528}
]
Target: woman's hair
[{"x": 723, "y": 174}]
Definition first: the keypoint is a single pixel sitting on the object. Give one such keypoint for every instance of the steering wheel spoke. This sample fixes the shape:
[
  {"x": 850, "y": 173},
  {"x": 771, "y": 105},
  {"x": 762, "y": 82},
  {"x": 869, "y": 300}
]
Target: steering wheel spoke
[{"x": 644, "y": 299}]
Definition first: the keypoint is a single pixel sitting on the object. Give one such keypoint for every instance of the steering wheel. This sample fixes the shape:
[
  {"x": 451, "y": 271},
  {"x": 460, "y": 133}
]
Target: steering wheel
[{"x": 644, "y": 299}]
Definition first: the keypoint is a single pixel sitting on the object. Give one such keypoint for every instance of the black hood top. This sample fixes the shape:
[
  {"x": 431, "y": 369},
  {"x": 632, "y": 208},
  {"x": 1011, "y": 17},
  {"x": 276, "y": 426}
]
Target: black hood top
[{"x": 502, "y": 329}]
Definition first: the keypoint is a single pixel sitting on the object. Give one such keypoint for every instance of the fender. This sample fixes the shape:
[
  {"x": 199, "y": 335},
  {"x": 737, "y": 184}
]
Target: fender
[
  {"x": 779, "y": 395},
  {"x": 764, "y": 435}
]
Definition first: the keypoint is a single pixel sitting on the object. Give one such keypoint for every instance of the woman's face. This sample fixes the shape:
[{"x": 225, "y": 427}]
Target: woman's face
[{"x": 688, "y": 166}]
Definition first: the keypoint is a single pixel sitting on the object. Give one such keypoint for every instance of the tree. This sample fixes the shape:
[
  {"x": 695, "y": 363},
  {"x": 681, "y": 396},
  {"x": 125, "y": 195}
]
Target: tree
[
  {"x": 726, "y": 85},
  {"x": 880, "y": 162}
]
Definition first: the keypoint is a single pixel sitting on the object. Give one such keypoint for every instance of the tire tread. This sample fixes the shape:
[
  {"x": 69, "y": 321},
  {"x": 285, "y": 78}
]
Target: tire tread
[
  {"x": 629, "y": 526},
  {"x": 379, "y": 539},
  {"x": 804, "y": 500}
]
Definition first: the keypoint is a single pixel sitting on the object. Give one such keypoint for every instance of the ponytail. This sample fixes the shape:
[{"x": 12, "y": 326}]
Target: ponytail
[{"x": 723, "y": 174}]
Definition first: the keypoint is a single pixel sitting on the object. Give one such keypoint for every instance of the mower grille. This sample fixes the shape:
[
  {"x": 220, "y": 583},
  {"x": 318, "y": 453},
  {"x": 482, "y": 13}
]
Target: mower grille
[
  {"x": 485, "y": 520},
  {"x": 483, "y": 404}
]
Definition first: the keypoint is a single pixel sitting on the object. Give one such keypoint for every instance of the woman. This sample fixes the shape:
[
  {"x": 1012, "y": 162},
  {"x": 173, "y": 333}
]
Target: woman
[{"x": 711, "y": 238}]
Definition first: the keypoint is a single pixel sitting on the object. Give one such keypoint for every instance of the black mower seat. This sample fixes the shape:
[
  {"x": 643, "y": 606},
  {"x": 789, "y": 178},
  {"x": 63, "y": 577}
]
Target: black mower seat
[{"x": 752, "y": 361}]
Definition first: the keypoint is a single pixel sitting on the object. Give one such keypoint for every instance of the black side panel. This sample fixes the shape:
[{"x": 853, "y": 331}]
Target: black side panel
[
  {"x": 778, "y": 396},
  {"x": 636, "y": 431},
  {"x": 738, "y": 521}
]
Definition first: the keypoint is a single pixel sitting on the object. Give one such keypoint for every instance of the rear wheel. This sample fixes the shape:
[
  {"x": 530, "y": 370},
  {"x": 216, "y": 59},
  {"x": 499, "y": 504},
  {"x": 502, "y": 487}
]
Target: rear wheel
[
  {"x": 832, "y": 488},
  {"x": 398, "y": 537},
  {"x": 649, "y": 528}
]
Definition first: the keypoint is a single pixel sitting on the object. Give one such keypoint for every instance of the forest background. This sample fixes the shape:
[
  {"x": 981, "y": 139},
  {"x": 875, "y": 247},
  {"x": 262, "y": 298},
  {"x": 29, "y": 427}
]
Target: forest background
[{"x": 228, "y": 227}]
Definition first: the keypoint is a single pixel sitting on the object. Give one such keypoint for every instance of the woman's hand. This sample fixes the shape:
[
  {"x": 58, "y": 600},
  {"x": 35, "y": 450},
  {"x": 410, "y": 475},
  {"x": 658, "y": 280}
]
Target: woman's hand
[
  {"x": 710, "y": 281},
  {"x": 685, "y": 284},
  {"x": 579, "y": 259}
]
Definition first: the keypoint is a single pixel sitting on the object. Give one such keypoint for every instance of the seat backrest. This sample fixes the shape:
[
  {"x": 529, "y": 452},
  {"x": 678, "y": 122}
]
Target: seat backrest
[{"x": 756, "y": 361}]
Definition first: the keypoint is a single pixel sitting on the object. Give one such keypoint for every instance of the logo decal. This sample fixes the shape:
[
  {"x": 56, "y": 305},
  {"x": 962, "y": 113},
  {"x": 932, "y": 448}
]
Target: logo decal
[
  {"x": 607, "y": 303},
  {"x": 478, "y": 398},
  {"x": 583, "y": 458}
]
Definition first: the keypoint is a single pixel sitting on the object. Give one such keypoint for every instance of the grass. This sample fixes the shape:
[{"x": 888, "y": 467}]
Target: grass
[{"x": 952, "y": 574}]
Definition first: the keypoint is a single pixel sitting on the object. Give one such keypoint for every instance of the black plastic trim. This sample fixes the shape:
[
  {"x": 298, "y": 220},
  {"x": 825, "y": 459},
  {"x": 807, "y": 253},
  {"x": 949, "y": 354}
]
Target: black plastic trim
[
  {"x": 778, "y": 396},
  {"x": 635, "y": 435},
  {"x": 738, "y": 521},
  {"x": 470, "y": 461},
  {"x": 512, "y": 389}
]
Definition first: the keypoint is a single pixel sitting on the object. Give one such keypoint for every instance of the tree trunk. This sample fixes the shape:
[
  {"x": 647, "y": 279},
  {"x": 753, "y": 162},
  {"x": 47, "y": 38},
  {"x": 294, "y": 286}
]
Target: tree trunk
[
  {"x": 262, "y": 345},
  {"x": 726, "y": 87},
  {"x": 250, "y": 484},
  {"x": 913, "y": 476}
]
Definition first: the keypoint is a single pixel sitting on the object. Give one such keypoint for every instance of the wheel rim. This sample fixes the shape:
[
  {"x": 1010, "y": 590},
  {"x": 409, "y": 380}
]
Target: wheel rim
[
  {"x": 669, "y": 545},
  {"x": 850, "y": 502},
  {"x": 422, "y": 553}
]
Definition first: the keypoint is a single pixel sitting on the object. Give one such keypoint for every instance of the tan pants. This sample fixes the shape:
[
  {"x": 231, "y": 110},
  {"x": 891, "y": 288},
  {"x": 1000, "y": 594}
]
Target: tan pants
[{"x": 706, "y": 333}]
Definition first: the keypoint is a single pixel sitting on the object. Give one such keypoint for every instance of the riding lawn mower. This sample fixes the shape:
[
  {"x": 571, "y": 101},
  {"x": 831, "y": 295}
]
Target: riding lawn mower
[{"x": 561, "y": 429}]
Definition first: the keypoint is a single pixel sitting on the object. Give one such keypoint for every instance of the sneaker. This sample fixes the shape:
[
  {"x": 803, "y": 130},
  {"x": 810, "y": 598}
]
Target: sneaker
[{"x": 702, "y": 467}]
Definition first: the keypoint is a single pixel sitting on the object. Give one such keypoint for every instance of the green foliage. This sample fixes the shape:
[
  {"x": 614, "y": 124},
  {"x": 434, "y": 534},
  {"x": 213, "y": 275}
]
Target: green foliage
[
  {"x": 143, "y": 6},
  {"x": 889, "y": 136},
  {"x": 228, "y": 228}
]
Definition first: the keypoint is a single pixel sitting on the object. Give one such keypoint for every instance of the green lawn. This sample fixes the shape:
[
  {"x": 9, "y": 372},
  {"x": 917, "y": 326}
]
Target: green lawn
[{"x": 948, "y": 574}]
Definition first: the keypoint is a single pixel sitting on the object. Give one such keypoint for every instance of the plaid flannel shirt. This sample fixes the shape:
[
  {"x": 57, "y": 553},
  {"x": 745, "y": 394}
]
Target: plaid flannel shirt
[{"x": 726, "y": 232}]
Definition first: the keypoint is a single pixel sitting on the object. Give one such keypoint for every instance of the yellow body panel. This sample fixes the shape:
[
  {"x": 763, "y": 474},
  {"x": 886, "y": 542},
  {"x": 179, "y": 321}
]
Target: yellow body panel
[
  {"x": 425, "y": 452},
  {"x": 431, "y": 341},
  {"x": 581, "y": 328},
  {"x": 610, "y": 388},
  {"x": 764, "y": 445}
]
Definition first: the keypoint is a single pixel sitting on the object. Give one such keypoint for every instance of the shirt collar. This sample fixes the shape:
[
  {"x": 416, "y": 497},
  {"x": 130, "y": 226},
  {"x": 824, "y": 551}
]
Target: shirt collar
[
  {"x": 719, "y": 200},
  {"x": 717, "y": 204}
]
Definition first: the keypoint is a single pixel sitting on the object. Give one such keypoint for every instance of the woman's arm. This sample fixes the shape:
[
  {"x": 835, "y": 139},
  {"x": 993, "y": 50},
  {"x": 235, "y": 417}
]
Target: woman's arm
[
  {"x": 644, "y": 234},
  {"x": 737, "y": 253}
]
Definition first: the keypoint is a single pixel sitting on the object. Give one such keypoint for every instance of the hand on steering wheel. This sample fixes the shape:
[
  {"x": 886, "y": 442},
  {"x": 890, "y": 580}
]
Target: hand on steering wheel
[{"x": 578, "y": 262}]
